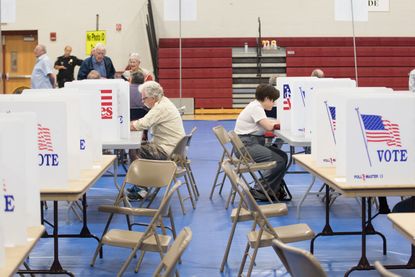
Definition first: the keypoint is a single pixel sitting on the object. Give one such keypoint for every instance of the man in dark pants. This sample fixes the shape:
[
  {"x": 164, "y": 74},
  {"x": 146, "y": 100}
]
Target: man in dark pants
[
  {"x": 250, "y": 125},
  {"x": 66, "y": 65}
]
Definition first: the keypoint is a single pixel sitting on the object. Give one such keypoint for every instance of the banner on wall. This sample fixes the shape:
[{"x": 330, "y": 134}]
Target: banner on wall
[
  {"x": 93, "y": 38},
  {"x": 188, "y": 10},
  {"x": 343, "y": 10},
  {"x": 378, "y": 5},
  {"x": 8, "y": 11}
]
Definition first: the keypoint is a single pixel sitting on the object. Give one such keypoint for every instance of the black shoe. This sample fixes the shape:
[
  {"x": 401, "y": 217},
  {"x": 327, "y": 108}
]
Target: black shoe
[
  {"x": 258, "y": 195},
  {"x": 384, "y": 210}
]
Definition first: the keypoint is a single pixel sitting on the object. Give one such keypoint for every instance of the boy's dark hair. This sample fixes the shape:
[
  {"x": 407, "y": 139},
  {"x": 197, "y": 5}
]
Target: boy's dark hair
[
  {"x": 266, "y": 91},
  {"x": 137, "y": 78}
]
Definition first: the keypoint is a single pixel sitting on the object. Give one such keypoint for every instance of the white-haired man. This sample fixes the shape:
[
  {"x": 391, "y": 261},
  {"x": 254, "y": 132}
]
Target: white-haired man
[
  {"x": 42, "y": 74},
  {"x": 99, "y": 62},
  {"x": 165, "y": 122}
]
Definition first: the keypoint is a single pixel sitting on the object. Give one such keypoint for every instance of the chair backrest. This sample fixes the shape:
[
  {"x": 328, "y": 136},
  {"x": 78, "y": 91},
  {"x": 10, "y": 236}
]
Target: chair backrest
[
  {"x": 167, "y": 266},
  {"x": 223, "y": 138},
  {"x": 179, "y": 151},
  {"x": 383, "y": 271},
  {"x": 240, "y": 148},
  {"x": 298, "y": 262},
  {"x": 150, "y": 173},
  {"x": 239, "y": 185},
  {"x": 189, "y": 139}
]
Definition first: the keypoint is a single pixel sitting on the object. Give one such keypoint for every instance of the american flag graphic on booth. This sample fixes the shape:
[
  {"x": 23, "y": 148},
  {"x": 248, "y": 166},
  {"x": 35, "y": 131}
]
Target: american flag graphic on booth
[
  {"x": 332, "y": 111},
  {"x": 44, "y": 139},
  {"x": 380, "y": 130},
  {"x": 106, "y": 104},
  {"x": 287, "y": 97}
]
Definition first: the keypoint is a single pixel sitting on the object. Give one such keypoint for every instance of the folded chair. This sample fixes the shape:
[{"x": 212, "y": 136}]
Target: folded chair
[
  {"x": 266, "y": 232},
  {"x": 149, "y": 240},
  {"x": 179, "y": 157},
  {"x": 247, "y": 164},
  {"x": 298, "y": 262},
  {"x": 167, "y": 266},
  {"x": 383, "y": 272},
  {"x": 241, "y": 213}
]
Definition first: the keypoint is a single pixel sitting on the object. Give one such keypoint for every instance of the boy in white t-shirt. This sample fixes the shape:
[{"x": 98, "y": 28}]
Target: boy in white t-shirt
[{"x": 250, "y": 125}]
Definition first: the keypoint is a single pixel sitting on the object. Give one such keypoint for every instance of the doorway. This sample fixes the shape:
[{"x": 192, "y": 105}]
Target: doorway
[{"x": 18, "y": 59}]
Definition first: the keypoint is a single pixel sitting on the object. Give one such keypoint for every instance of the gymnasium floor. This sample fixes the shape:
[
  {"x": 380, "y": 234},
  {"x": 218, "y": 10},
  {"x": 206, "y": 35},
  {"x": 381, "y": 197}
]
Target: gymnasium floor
[{"x": 211, "y": 224}]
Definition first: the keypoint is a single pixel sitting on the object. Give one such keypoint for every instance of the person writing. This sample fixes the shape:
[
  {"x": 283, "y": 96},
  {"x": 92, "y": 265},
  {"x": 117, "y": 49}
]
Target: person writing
[{"x": 250, "y": 126}]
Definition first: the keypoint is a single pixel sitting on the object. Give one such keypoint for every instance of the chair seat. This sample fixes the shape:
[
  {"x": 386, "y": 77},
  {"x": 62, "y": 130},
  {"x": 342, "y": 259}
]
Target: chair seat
[
  {"x": 288, "y": 233},
  {"x": 257, "y": 166},
  {"x": 270, "y": 210},
  {"x": 129, "y": 239}
]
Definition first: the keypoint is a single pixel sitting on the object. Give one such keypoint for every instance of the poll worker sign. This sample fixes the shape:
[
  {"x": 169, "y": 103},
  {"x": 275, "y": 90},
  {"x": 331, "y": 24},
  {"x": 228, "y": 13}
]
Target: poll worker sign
[
  {"x": 93, "y": 38},
  {"x": 380, "y": 140}
]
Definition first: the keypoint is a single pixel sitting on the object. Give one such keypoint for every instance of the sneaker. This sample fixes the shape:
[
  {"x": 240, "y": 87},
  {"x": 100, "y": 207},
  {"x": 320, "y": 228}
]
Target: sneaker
[
  {"x": 134, "y": 196},
  {"x": 258, "y": 195},
  {"x": 133, "y": 189}
]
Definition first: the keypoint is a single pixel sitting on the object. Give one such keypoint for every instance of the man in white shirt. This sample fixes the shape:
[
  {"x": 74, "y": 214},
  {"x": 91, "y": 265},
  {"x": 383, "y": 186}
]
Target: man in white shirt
[
  {"x": 164, "y": 120},
  {"x": 42, "y": 74},
  {"x": 250, "y": 125}
]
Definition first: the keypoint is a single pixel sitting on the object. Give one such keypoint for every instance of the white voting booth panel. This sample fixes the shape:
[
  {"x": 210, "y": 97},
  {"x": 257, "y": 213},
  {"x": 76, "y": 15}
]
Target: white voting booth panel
[
  {"x": 115, "y": 105},
  {"x": 53, "y": 138},
  {"x": 284, "y": 105},
  {"x": 341, "y": 131},
  {"x": 18, "y": 179},
  {"x": 2, "y": 246},
  {"x": 380, "y": 141},
  {"x": 302, "y": 108},
  {"x": 87, "y": 105},
  {"x": 324, "y": 122}
]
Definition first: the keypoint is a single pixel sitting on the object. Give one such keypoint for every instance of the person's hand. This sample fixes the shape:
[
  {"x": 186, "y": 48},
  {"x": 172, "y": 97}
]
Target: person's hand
[
  {"x": 277, "y": 126},
  {"x": 132, "y": 126}
]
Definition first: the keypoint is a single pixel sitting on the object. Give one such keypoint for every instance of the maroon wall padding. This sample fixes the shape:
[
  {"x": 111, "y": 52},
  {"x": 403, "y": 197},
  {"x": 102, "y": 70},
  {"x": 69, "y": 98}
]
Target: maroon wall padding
[
  {"x": 289, "y": 42},
  {"x": 349, "y": 61},
  {"x": 207, "y": 63},
  {"x": 196, "y": 83},
  {"x": 195, "y": 52},
  {"x": 196, "y": 63},
  {"x": 348, "y": 51},
  {"x": 346, "y": 72},
  {"x": 213, "y": 103},
  {"x": 196, "y": 73},
  {"x": 200, "y": 93}
]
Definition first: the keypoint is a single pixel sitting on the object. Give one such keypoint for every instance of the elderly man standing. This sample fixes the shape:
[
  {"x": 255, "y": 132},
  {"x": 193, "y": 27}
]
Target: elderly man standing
[
  {"x": 166, "y": 125},
  {"x": 42, "y": 74},
  {"x": 66, "y": 65},
  {"x": 99, "y": 62}
]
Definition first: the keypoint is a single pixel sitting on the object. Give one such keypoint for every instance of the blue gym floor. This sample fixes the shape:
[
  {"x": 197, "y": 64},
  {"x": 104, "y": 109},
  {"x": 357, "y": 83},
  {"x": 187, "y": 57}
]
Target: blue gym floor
[{"x": 210, "y": 223}]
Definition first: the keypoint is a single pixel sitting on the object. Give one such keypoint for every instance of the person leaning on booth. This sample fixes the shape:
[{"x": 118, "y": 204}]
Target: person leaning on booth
[
  {"x": 165, "y": 122},
  {"x": 42, "y": 74},
  {"x": 251, "y": 125},
  {"x": 99, "y": 62}
]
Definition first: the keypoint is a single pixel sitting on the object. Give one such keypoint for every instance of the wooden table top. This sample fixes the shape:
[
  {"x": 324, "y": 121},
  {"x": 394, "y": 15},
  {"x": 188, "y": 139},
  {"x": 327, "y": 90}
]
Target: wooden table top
[
  {"x": 405, "y": 224},
  {"x": 16, "y": 255}
]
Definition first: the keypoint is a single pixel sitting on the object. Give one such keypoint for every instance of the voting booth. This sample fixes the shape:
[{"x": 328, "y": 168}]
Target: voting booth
[
  {"x": 20, "y": 194},
  {"x": 88, "y": 105},
  {"x": 114, "y": 105},
  {"x": 325, "y": 121},
  {"x": 380, "y": 139},
  {"x": 284, "y": 107},
  {"x": 58, "y": 136}
]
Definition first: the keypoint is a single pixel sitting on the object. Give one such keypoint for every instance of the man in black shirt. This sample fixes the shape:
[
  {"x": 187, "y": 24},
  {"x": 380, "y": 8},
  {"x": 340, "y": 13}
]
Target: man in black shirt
[{"x": 66, "y": 65}]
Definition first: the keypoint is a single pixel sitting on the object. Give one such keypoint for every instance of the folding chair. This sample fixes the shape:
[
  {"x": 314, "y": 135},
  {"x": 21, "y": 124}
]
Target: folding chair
[
  {"x": 298, "y": 262},
  {"x": 188, "y": 161},
  {"x": 247, "y": 164},
  {"x": 383, "y": 272},
  {"x": 179, "y": 157},
  {"x": 149, "y": 240},
  {"x": 241, "y": 213},
  {"x": 266, "y": 232},
  {"x": 167, "y": 266},
  {"x": 224, "y": 140}
]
